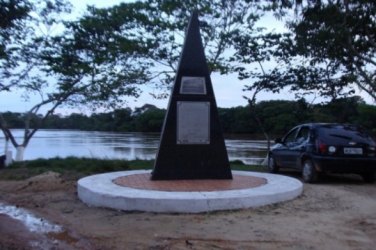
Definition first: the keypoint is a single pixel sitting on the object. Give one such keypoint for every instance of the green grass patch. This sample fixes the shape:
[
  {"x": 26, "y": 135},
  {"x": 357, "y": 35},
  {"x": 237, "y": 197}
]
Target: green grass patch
[
  {"x": 75, "y": 168},
  {"x": 140, "y": 164},
  {"x": 72, "y": 167},
  {"x": 239, "y": 165}
]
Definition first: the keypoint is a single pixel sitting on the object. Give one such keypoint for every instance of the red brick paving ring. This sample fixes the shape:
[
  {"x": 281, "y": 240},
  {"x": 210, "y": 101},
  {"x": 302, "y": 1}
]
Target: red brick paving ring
[{"x": 142, "y": 181}]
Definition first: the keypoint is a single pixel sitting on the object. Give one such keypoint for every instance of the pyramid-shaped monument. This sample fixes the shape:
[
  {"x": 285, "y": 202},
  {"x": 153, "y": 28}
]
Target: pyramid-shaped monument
[{"x": 192, "y": 144}]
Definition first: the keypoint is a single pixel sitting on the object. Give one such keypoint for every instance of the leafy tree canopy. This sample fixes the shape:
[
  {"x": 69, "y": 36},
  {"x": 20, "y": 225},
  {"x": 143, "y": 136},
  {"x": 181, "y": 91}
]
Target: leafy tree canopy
[
  {"x": 344, "y": 34},
  {"x": 330, "y": 50},
  {"x": 12, "y": 13},
  {"x": 157, "y": 27}
]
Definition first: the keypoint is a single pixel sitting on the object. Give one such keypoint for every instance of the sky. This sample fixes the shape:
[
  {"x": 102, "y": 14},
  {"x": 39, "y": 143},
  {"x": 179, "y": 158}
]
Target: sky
[{"x": 228, "y": 89}]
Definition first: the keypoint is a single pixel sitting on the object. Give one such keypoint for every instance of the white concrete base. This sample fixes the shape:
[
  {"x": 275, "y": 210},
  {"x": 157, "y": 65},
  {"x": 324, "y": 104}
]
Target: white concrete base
[{"x": 100, "y": 191}]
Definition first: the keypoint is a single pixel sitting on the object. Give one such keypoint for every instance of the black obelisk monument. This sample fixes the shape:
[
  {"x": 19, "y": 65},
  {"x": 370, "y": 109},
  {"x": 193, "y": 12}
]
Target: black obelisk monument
[{"x": 192, "y": 144}]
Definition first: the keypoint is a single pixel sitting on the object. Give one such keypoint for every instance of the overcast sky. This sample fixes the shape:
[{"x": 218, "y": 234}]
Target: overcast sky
[{"x": 228, "y": 90}]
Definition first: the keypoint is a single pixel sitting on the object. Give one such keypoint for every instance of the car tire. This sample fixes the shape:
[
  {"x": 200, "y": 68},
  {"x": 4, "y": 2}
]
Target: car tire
[
  {"x": 309, "y": 172},
  {"x": 369, "y": 177},
  {"x": 272, "y": 165}
]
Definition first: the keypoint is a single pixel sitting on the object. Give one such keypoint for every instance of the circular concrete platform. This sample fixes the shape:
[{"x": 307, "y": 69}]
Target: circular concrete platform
[{"x": 134, "y": 191}]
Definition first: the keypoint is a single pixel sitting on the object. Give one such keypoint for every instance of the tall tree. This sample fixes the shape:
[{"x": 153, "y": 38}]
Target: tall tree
[
  {"x": 329, "y": 47},
  {"x": 78, "y": 66},
  {"x": 259, "y": 58},
  {"x": 26, "y": 28},
  {"x": 159, "y": 26},
  {"x": 344, "y": 33},
  {"x": 332, "y": 47},
  {"x": 14, "y": 14}
]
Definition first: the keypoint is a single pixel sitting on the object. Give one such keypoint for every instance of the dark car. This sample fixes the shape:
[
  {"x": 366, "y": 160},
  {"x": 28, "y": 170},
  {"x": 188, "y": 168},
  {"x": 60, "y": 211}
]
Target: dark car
[{"x": 317, "y": 148}]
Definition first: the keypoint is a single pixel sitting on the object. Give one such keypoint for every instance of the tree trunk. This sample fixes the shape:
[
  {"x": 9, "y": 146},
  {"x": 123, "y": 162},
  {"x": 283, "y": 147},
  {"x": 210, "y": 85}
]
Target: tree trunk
[
  {"x": 6, "y": 146},
  {"x": 7, "y": 153},
  {"x": 259, "y": 123},
  {"x": 8, "y": 158},
  {"x": 20, "y": 153}
]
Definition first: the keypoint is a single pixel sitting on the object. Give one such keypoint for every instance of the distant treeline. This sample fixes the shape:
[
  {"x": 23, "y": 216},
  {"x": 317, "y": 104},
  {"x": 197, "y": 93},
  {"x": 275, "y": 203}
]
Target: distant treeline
[{"x": 276, "y": 117}]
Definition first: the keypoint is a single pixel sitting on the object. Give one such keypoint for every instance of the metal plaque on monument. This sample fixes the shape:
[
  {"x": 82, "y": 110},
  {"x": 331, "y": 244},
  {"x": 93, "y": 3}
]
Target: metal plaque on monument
[{"x": 192, "y": 144}]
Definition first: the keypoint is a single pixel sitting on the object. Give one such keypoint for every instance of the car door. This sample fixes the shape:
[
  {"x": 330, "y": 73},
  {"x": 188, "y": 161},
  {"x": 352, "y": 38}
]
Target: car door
[
  {"x": 282, "y": 154},
  {"x": 293, "y": 145},
  {"x": 298, "y": 146}
]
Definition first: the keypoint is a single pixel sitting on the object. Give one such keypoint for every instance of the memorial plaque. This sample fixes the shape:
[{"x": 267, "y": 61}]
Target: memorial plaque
[
  {"x": 193, "y": 85},
  {"x": 193, "y": 123}
]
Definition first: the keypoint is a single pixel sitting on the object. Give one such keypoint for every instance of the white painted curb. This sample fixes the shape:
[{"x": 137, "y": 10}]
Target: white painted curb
[{"x": 100, "y": 191}]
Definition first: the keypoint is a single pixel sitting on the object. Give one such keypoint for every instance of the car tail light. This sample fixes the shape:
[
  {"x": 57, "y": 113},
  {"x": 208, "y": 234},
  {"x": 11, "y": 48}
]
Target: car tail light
[{"x": 322, "y": 148}]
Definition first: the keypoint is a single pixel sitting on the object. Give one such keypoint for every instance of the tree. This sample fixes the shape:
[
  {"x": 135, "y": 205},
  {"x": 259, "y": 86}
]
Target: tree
[
  {"x": 367, "y": 117},
  {"x": 159, "y": 27},
  {"x": 123, "y": 119},
  {"x": 13, "y": 14},
  {"x": 333, "y": 47},
  {"x": 258, "y": 49},
  {"x": 148, "y": 118},
  {"x": 346, "y": 36},
  {"x": 328, "y": 48},
  {"x": 344, "y": 110},
  {"x": 27, "y": 27},
  {"x": 76, "y": 67}
]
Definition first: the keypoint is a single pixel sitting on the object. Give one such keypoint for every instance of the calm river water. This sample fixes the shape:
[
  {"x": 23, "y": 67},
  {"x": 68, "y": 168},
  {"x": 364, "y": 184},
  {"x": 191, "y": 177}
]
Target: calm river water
[{"x": 113, "y": 145}]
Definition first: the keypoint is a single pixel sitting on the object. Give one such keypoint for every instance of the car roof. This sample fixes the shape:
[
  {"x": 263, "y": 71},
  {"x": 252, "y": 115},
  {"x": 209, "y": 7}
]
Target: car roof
[{"x": 322, "y": 124}]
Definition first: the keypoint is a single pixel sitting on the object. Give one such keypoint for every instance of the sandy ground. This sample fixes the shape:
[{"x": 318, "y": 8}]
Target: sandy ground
[{"x": 337, "y": 213}]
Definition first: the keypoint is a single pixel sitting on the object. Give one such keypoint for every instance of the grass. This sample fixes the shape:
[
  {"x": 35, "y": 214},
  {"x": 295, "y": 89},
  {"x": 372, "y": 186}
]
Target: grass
[
  {"x": 70, "y": 167},
  {"x": 75, "y": 168}
]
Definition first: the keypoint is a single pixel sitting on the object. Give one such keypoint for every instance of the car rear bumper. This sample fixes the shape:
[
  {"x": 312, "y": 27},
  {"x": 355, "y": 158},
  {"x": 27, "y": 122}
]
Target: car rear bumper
[{"x": 344, "y": 165}]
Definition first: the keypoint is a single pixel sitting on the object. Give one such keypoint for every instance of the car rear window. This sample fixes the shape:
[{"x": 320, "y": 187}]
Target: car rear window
[{"x": 343, "y": 133}]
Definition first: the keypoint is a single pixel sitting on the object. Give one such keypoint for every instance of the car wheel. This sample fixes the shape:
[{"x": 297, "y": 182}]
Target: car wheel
[
  {"x": 309, "y": 173},
  {"x": 272, "y": 165},
  {"x": 369, "y": 177}
]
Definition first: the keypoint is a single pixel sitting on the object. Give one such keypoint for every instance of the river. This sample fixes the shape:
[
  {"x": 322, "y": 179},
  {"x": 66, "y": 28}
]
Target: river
[{"x": 116, "y": 145}]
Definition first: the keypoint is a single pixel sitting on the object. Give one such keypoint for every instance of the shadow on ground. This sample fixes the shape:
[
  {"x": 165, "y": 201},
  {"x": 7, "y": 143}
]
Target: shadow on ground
[{"x": 333, "y": 179}]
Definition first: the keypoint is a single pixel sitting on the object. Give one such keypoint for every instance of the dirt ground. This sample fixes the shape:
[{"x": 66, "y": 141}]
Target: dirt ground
[{"x": 337, "y": 213}]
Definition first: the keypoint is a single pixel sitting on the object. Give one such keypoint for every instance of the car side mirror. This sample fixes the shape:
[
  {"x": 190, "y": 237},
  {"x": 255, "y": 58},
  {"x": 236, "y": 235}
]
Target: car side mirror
[{"x": 278, "y": 140}]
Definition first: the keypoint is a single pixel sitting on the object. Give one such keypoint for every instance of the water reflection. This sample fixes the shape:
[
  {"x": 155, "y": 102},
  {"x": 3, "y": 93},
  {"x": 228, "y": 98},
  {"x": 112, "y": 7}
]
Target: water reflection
[
  {"x": 32, "y": 222},
  {"x": 113, "y": 145}
]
